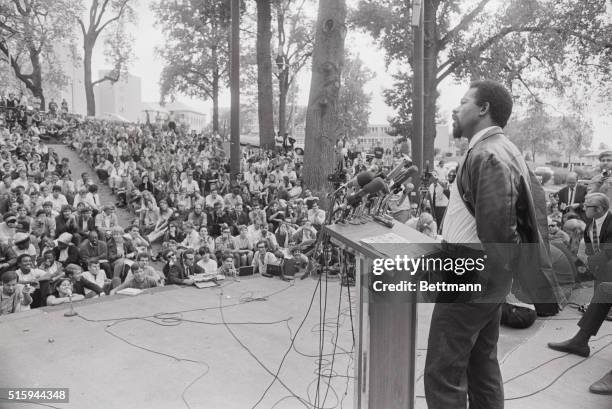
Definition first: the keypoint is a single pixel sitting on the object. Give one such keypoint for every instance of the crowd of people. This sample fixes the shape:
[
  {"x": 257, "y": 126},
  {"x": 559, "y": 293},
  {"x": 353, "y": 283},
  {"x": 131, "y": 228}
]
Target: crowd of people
[{"x": 187, "y": 218}]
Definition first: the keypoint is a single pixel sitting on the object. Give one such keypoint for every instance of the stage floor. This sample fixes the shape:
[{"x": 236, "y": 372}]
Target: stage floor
[{"x": 122, "y": 355}]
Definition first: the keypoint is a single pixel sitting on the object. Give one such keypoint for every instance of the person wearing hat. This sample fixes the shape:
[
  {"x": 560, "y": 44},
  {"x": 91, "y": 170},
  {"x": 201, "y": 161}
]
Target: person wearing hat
[
  {"x": 602, "y": 182},
  {"x": 8, "y": 228},
  {"x": 23, "y": 245},
  {"x": 66, "y": 252}
]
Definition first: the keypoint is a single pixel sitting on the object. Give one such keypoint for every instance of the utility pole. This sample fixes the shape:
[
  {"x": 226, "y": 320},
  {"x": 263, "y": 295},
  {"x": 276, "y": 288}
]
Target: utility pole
[
  {"x": 418, "y": 80},
  {"x": 235, "y": 91}
]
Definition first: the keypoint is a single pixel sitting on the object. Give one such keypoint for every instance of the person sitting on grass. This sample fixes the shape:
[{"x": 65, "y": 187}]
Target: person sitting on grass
[
  {"x": 139, "y": 279},
  {"x": 208, "y": 264},
  {"x": 227, "y": 268},
  {"x": 80, "y": 284},
  {"x": 14, "y": 297},
  {"x": 63, "y": 293}
]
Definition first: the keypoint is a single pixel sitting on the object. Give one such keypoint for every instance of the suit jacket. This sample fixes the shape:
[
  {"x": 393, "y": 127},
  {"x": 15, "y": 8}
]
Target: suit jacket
[
  {"x": 73, "y": 255},
  {"x": 580, "y": 192},
  {"x": 91, "y": 225},
  {"x": 64, "y": 226},
  {"x": 600, "y": 264},
  {"x": 509, "y": 206},
  {"x": 176, "y": 273}
]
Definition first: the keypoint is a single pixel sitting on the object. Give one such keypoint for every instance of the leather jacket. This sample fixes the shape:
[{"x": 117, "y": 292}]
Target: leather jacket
[{"x": 509, "y": 205}]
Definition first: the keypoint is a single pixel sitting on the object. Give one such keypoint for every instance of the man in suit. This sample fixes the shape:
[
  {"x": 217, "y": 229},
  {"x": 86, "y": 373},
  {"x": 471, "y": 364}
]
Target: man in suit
[
  {"x": 589, "y": 326},
  {"x": 181, "y": 273},
  {"x": 598, "y": 236},
  {"x": 571, "y": 197},
  {"x": 495, "y": 204}
]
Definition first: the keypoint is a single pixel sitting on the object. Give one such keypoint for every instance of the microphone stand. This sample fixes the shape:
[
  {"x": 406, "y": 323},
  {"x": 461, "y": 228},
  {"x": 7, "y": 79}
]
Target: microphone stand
[{"x": 71, "y": 312}]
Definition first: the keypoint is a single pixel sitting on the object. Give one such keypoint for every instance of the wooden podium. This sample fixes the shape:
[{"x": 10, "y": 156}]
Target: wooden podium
[{"x": 385, "y": 332}]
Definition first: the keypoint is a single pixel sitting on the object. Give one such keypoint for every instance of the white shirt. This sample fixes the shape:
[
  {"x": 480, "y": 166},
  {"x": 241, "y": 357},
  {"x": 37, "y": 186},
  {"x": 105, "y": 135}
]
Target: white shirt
[
  {"x": 98, "y": 279},
  {"x": 598, "y": 223},
  {"x": 209, "y": 267},
  {"x": 459, "y": 224}
]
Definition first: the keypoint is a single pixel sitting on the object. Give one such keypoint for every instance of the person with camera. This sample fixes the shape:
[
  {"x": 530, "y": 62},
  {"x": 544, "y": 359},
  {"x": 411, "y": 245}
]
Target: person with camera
[
  {"x": 14, "y": 297},
  {"x": 602, "y": 182},
  {"x": 571, "y": 197}
]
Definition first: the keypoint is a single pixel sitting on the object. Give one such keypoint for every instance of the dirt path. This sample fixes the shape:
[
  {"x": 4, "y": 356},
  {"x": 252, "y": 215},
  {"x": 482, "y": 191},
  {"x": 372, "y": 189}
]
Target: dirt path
[{"x": 77, "y": 166}]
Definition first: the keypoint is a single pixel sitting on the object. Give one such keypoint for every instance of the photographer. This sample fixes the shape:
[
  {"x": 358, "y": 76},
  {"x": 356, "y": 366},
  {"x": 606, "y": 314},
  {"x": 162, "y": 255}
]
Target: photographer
[{"x": 602, "y": 183}]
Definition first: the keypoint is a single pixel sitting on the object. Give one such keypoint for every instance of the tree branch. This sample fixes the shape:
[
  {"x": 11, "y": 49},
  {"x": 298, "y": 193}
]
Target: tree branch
[
  {"x": 463, "y": 23},
  {"x": 117, "y": 17},
  {"x": 102, "y": 10},
  {"x": 105, "y": 78}
]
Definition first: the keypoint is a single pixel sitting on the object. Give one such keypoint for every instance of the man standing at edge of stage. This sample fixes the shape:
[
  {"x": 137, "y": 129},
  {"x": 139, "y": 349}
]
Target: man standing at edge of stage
[{"x": 495, "y": 200}]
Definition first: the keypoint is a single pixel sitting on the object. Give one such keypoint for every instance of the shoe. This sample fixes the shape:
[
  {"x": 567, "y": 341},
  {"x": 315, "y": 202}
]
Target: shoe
[
  {"x": 569, "y": 347},
  {"x": 609, "y": 317},
  {"x": 603, "y": 386},
  {"x": 266, "y": 275}
]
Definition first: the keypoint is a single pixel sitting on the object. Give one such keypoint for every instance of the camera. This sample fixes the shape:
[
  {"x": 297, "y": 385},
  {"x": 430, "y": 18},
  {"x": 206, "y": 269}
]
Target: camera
[{"x": 606, "y": 173}]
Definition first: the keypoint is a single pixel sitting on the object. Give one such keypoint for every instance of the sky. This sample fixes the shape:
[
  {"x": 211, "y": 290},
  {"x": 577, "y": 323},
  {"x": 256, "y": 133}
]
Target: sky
[{"x": 148, "y": 67}]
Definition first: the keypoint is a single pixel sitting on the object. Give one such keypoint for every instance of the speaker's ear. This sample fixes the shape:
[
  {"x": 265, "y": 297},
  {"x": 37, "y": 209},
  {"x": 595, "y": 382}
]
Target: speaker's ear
[{"x": 485, "y": 108}]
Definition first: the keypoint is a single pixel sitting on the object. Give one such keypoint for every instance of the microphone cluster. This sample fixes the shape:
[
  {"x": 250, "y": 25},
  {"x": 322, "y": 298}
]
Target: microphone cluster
[{"x": 375, "y": 191}]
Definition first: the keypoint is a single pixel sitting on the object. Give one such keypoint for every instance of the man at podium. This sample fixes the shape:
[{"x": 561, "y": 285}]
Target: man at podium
[{"x": 495, "y": 202}]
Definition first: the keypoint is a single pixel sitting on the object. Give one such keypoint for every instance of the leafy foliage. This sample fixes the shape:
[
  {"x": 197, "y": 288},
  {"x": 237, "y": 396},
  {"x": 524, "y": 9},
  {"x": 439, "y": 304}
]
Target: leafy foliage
[
  {"x": 29, "y": 33},
  {"x": 354, "y": 102},
  {"x": 527, "y": 44}
]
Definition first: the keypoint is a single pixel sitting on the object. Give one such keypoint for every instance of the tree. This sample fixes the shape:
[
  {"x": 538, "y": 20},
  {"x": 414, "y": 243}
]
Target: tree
[
  {"x": 108, "y": 17},
  {"x": 294, "y": 48},
  {"x": 532, "y": 133},
  {"x": 196, "y": 52},
  {"x": 509, "y": 43},
  {"x": 354, "y": 103},
  {"x": 30, "y": 29},
  {"x": 575, "y": 134},
  {"x": 265, "y": 105},
  {"x": 322, "y": 130}
]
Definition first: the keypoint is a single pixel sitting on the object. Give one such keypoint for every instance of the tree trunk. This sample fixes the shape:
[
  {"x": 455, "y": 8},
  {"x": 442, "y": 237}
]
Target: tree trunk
[
  {"x": 215, "y": 92},
  {"x": 283, "y": 71},
  {"x": 265, "y": 106},
  {"x": 430, "y": 54},
  {"x": 322, "y": 130},
  {"x": 37, "y": 84},
  {"x": 283, "y": 88},
  {"x": 89, "y": 90}
]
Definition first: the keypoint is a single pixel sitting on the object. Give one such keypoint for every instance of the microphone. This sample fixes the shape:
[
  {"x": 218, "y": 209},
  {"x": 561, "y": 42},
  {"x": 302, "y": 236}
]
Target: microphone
[
  {"x": 71, "y": 312},
  {"x": 406, "y": 163},
  {"x": 375, "y": 186},
  {"x": 361, "y": 179},
  {"x": 399, "y": 180}
]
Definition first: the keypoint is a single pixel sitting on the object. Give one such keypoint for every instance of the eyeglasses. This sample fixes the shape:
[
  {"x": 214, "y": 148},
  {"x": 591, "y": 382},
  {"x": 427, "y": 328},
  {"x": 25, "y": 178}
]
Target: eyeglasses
[
  {"x": 552, "y": 225},
  {"x": 587, "y": 206}
]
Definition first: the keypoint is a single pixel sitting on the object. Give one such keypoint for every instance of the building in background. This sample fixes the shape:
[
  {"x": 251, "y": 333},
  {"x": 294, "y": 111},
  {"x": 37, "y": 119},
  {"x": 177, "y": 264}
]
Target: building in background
[
  {"x": 121, "y": 100},
  {"x": 185, "y": 115},
  {"x": 375, "y": 135},
  {"x": 153, "y": 113}
]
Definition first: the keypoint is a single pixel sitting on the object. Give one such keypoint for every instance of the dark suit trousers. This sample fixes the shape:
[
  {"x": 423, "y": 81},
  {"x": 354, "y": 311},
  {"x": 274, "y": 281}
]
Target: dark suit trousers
[
  {"x": 461, "y": 361},
  {"x": 598, "y": 309}
]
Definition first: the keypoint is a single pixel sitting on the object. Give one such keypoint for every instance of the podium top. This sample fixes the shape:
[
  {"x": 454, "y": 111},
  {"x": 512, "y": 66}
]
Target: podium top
[{"x": 412, "y": 242}]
